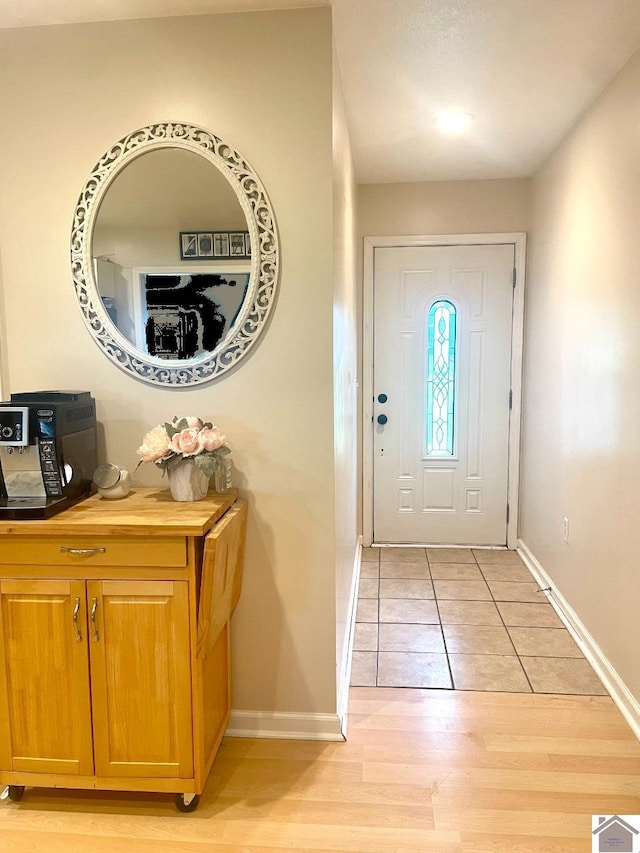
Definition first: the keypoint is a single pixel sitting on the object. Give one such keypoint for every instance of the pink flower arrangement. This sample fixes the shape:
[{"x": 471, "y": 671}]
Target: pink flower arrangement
[{"x": 184, "y": 438}]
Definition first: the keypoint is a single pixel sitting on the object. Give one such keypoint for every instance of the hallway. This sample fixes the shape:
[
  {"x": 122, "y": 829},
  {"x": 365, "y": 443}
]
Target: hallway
[{"x": 462, "y": 619}]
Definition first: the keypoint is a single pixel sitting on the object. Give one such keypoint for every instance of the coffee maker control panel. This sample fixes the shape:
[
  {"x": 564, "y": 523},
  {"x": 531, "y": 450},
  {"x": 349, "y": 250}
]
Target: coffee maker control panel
[
  {"x": 14, "y": 426},
  {"x": 46, "y": 430}
]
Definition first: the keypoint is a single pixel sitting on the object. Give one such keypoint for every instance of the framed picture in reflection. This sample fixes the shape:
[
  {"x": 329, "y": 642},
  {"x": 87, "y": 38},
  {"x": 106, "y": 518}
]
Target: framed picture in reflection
[{"x": 205, "y": 245}]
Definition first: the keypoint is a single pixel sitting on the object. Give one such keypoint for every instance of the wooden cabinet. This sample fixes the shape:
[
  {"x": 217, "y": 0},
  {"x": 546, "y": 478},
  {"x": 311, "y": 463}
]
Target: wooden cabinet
[
  {"x": 115, "y": 643},
  {"x": 45, "y": 709},
  {"x": 140, "y": 678}
]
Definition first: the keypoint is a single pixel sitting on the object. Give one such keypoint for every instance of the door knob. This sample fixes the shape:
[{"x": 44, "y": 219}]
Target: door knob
[{"x": 382, "y": 419}]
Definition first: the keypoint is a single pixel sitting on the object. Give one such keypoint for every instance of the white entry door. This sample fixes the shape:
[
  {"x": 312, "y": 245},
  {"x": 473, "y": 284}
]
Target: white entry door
[{"x": 442, "y": 377}]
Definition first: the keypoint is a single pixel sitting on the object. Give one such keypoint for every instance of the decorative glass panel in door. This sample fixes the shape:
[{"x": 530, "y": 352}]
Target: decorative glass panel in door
[{"x": 441, "y": 367}]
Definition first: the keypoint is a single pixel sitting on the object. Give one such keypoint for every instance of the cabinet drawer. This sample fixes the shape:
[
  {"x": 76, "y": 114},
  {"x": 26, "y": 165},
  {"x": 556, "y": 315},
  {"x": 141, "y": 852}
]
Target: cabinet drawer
[{"x": 158, "y": 551}]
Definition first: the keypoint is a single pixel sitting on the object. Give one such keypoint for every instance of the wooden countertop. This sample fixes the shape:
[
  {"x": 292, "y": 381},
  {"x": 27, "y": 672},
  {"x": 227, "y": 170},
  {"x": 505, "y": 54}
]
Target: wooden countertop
[{"x": 143, "y": 512}]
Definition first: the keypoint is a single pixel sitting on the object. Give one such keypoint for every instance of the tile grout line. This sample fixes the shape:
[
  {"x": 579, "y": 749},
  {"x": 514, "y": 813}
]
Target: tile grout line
[
  {"x": 506, "y": 628},
  {"x": 444, "y": 639},
  {"x": 521, "y": 656},
  {"x": 493, "y": 600}
]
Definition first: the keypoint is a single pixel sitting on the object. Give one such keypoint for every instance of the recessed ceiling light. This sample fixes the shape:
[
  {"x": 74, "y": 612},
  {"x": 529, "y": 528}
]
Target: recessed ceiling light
[{"x": 454, "y": 121}]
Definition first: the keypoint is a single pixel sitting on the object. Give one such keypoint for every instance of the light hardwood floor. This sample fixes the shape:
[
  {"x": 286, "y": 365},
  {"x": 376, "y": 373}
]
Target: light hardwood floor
[{"x": 422, "y": 771}]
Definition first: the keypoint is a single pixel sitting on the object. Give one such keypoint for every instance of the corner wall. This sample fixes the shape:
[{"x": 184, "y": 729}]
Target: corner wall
[
  {"x": 581, "y": 451},
  {"x": 264, "y": 82},
  {"x": 345, "y": 390}
]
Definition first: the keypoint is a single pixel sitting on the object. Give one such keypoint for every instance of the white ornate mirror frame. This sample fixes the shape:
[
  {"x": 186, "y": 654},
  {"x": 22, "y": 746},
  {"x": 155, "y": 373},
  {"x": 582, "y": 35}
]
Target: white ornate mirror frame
[{"x": 263, "y": 279}]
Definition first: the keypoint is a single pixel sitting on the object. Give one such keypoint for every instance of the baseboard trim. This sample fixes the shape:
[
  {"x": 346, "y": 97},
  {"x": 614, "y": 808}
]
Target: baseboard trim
[
  {"x": 300, "y": 726},
  {"x": 289, "y": 726},
  {"x": 626, "y": 702}
]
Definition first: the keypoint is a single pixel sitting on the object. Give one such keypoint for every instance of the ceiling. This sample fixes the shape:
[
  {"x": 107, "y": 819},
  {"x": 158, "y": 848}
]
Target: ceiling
[{"x": 525, "y": 69}]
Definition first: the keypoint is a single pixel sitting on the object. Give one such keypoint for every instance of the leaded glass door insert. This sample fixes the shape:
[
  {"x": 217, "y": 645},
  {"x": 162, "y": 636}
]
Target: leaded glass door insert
[{"x": 441, "y": 370}]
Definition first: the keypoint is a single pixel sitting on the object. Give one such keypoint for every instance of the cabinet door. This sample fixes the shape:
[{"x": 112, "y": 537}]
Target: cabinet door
[
  {"x": 45, "y": 708},
  {"x": 140, "y": 678}
]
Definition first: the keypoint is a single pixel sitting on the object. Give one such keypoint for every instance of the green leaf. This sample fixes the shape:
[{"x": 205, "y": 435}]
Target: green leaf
[{"x": 206, "y": 463}]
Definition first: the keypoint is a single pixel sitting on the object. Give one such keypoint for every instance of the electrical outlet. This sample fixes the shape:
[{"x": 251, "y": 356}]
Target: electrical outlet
[{"x": 565, "y": 529}]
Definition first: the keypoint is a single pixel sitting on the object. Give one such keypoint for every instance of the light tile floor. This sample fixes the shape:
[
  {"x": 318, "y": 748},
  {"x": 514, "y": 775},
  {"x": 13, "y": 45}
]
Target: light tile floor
[{"x": 462, "y": 619}]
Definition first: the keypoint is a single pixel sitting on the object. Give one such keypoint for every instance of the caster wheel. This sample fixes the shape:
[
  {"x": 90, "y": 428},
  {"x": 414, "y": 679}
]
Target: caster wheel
[
  {"x": 16, "y": 792},
  {"x": 184, "y": 802}
]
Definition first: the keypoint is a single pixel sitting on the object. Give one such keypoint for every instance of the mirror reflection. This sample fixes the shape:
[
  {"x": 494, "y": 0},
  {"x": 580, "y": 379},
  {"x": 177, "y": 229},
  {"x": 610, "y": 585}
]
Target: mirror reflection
[{"x": 170, "y": 254}]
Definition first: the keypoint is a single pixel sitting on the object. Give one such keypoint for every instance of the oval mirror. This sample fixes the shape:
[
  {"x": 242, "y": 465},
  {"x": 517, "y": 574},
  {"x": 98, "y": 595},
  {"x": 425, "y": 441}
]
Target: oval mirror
[{"x": 174, "y": 255}]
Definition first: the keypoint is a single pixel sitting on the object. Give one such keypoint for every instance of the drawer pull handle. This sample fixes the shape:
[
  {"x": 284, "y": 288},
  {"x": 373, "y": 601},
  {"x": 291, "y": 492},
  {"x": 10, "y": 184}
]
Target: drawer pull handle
[
  {"x": 65, "y": 550},
  {"x": 94, "y": 607},
  {"x": 76, "y": 610}
]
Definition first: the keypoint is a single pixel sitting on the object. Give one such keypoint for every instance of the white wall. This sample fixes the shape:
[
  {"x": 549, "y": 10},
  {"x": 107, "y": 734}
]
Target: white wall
[
  {"x": 581, "y": 450},
  {"x": 4, "y": 359},
  {"x": 443, "y": 207},
  {"x": 264, "y": 82}
]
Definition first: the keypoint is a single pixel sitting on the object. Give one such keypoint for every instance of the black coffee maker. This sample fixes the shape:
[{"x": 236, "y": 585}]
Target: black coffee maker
[{"x": 47, "y": 452}]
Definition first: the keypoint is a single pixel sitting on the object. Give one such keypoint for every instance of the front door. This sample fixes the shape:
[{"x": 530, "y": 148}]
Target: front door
[{"x": 442, "y": 376}]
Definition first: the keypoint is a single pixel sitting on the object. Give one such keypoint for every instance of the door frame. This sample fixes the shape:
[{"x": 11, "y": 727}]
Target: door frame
[{"x": 516, "y": 239}]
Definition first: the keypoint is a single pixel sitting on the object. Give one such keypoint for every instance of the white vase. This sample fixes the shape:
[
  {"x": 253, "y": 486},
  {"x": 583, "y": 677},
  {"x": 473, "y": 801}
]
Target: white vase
[{"x": 186, "y": 481}]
